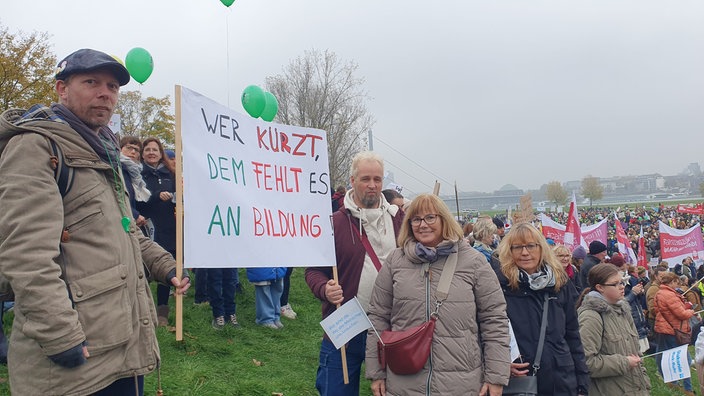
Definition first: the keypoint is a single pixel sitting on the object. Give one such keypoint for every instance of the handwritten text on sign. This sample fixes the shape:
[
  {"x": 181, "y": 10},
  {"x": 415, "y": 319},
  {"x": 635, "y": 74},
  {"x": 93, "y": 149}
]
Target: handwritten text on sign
[{"x": 256, "y": 194}]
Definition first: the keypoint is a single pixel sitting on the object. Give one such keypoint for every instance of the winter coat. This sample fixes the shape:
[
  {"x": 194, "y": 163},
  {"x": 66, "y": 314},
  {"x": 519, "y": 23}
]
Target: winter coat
[
  {"x": 671, "y": 312},
  {"x": 589, "y": 262},
  {"x": 77, "y": 275},
  {"x": 635, "y": 302},
  {"x": 484, "y": 249},
  {"x": 609, "y": 337},
  {"x": 470, "y": 342},
  {"x": 264, "y": 274},
  {"x": 162, "y": 213},
  {"x": 562, "y": 366}
]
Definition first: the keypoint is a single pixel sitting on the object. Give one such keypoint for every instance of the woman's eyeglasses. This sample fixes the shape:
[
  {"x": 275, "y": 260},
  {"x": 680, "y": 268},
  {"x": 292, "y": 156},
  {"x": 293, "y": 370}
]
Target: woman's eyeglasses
[
  {"x": 531, "y": 247},
  {"x": 616, "y": 284},
  {"x": 428, "y": 219}
]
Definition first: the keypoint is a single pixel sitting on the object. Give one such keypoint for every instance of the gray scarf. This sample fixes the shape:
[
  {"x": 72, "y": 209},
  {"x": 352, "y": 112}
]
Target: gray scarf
[
  {"x": 141, "y": 192},
  {"x": 104, "y": 142},
  {"x": 423, "y": 253},
  {"x": 540, "y": 279}
]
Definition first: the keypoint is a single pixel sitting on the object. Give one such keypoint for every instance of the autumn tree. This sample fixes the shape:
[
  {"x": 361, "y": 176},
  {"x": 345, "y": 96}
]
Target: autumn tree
[
  {"x": 591, "y": 189},
  {"x": 27, "y": 69},
  {"x": 149, "y": 117},
  {"x": 318, "y": 90},
  {"x": 556, "y": 193}
]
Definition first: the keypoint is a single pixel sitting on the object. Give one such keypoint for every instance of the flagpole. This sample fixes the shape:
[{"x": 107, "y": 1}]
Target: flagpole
[{"x": 343, "y": 351}]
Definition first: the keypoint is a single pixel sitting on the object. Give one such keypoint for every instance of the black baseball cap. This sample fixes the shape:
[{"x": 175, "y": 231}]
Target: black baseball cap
[{"x": 85, "y": 60}]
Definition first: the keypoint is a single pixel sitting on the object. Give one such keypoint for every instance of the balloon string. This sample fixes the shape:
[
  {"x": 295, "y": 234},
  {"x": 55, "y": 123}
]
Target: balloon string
[{"x": 227, "y": 51}]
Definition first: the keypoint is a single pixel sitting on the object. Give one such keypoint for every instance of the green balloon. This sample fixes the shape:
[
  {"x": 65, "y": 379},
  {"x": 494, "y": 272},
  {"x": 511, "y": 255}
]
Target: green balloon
[
  {"x": 227, "y": 2},
  {"x": 140, "y": 64},
  {"x": 271, "y": 107},
  {"x": 253, "y": 100}
]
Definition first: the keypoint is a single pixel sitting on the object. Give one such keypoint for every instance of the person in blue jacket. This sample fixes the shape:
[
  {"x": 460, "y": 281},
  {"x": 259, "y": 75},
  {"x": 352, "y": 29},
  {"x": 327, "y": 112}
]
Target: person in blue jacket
[{"x": 268, "y": 285}]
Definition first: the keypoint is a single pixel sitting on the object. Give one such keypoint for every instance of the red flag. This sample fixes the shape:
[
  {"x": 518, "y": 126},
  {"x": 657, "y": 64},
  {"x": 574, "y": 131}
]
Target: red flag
[
  {"x": 573, "y": 234},
  {"x": 642, "y": 256}
]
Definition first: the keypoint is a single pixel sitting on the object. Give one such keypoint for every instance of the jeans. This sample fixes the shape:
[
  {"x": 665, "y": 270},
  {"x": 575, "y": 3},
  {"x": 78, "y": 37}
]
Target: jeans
[
  {"x": 329, "y": 381},
  {"x": 221, "y": 290},
  {"x": 267, "y": 301},
  {"x": 201, "y": 285},
  {"x": 287, "y": 286},
  {"x": 666, "y": 342},
  {"x": 123, "y": 387}
]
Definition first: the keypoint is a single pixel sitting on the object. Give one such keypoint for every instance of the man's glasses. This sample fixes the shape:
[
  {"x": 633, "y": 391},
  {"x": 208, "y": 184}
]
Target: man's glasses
[
  {"x": 429, "y": 219},
  {"x": 531, "y": 247}
]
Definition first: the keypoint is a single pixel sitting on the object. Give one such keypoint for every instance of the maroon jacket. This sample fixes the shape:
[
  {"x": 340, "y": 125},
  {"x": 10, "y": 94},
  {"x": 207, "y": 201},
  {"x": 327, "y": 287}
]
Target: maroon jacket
[{"x": 350, "y": 259}]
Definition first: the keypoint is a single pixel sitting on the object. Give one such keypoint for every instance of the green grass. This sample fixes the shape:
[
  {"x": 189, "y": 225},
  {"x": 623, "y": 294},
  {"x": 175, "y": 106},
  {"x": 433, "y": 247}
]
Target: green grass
[{"x": 210, "y": 362}]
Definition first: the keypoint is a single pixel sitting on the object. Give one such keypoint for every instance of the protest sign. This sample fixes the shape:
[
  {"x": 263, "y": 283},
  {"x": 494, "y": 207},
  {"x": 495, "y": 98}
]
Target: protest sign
[
  {"x": 346, "y": 322},
  {"x": 513, "y": 343},
  {"x": 256, "y": 194},
  {"x": 676, "y": 244}
]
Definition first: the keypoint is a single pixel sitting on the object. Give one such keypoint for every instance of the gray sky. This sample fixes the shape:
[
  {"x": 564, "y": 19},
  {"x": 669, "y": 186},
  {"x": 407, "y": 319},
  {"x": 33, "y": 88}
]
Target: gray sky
[{"x": 483, "y": 93}]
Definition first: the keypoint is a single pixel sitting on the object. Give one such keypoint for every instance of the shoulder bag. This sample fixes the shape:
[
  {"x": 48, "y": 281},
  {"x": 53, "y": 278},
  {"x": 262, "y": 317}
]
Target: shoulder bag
[
  {"x": 406, "y": 352},
  {"x": 527, "y": 385}
]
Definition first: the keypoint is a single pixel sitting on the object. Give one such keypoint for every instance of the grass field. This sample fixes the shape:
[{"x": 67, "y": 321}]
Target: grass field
[{"x": 252, "y": 360}]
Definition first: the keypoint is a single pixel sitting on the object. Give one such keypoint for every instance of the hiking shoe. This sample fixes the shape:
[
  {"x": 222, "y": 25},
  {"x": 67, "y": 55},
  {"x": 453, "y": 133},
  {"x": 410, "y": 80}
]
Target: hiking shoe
[
  {"x": 288, "y": 313},
  {"x": 233, "y": 321},
  {"x": 270, "y": 325},
  {"x": 278, "y": 324},
  {"x": 218, "y": 322}
]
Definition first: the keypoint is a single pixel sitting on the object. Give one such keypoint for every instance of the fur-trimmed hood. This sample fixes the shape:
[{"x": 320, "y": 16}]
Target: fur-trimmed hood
[{"x": 594, "y": 301}]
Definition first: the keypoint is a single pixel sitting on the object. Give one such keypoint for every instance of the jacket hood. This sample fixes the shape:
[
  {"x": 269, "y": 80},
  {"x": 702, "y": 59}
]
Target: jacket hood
[{"x": 598, "y": 304}]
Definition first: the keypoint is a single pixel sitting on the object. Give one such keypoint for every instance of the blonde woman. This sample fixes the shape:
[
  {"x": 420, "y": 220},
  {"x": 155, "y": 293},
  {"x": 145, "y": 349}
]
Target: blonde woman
[
  {"x": 483, "y": 233},
  {"x": 529, "y": 270}
]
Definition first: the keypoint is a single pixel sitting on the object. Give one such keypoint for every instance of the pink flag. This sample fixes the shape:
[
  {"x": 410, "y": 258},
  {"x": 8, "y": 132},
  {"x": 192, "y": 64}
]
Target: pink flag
[
  {"x": 624, "y": 245},
  {"x": 676, "y": 244}
]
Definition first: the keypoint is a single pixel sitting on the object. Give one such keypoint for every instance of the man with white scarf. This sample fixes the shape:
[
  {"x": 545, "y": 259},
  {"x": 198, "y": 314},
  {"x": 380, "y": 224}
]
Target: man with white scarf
[{"x": 366, "y": 215}]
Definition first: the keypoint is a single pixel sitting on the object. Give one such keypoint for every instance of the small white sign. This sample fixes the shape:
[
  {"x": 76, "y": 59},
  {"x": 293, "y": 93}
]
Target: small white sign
[
  {"x": 513, "y": 344},
  {"x": 674, "y": 364},
  {"x": 345, "y": 323}
]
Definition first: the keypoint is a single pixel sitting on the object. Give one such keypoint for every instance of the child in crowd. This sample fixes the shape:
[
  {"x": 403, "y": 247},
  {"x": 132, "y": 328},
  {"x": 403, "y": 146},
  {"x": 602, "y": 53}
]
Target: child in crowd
[{"x": 268, "y": 286}]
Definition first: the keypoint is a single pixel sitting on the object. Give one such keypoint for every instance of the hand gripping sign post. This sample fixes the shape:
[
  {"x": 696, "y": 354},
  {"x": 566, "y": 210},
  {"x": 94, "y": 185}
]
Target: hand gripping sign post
[{"x": 254, "y": 193}]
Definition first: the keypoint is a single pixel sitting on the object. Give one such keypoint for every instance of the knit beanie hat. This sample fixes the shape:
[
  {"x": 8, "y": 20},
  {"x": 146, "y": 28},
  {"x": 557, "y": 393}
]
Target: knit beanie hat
[
  {"x": 596, "y": 247},
  {"x": 579, "y": 252}
]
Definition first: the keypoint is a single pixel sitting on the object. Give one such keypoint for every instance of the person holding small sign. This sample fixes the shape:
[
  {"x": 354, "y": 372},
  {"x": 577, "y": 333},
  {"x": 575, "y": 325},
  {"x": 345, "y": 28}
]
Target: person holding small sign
[{"x": 365, "y": 233}]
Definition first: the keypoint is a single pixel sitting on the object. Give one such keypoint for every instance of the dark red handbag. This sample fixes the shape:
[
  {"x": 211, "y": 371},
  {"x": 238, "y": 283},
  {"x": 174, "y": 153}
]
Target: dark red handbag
[{"x": 407, "y": 351}]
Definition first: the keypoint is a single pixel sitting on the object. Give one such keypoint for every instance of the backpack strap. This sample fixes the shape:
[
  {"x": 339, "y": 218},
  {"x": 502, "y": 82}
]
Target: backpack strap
[{"x": 61, "y": 172}]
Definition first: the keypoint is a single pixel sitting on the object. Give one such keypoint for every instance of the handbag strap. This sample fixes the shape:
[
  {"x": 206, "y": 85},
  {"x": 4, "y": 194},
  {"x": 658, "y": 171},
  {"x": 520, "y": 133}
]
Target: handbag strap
[
  {"x": 443, "y": 289},
  {"x": 541, "y": 340},
  {"x": 368, "y": 247}
]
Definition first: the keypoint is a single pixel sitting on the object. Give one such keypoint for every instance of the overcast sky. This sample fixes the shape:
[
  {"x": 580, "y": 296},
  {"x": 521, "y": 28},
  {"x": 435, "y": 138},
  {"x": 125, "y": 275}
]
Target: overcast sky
[{"x": 482, "y": 93}]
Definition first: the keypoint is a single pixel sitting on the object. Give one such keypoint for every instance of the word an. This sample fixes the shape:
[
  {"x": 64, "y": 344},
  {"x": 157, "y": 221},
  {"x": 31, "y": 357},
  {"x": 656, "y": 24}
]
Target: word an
[
  {"x": 227, "y": 226},
  {"x": 277, "y": 223},
  {"x": 297, "y": 144},
  {"x": 276, "y": 177},
  {"x": 219, "y": 169},
  {"x": 224, "y": 125}
]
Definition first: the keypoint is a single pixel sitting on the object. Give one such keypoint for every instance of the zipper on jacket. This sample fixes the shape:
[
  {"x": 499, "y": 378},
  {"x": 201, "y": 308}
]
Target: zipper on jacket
[{"x": 426, "y": 266}]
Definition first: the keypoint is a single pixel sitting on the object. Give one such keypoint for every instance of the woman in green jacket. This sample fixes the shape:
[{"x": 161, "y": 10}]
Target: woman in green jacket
[{"x": 609, "y": 337}]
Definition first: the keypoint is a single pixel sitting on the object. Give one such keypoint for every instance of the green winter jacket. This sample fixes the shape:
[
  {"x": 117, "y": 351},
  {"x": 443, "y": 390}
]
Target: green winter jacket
[
  {"x": 609, "y": 336},
  {"x": 78, "y": 276}
]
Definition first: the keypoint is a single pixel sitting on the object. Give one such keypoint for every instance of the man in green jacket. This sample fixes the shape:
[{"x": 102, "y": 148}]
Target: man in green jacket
[{"x": 84, "y": 316}]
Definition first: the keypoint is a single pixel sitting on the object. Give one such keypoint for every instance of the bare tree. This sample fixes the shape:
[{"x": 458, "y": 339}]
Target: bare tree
[
  {"x": 27, "y": 68},
  {"x": 318, "y": 90},
  {"x": 144, "y": 118},
  {"x": 556, "y": 193},
  {"x": 591, "y": 189}
]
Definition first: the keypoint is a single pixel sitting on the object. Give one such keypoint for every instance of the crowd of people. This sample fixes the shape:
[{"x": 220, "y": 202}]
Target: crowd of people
[{"x": 85, "y": 319}]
